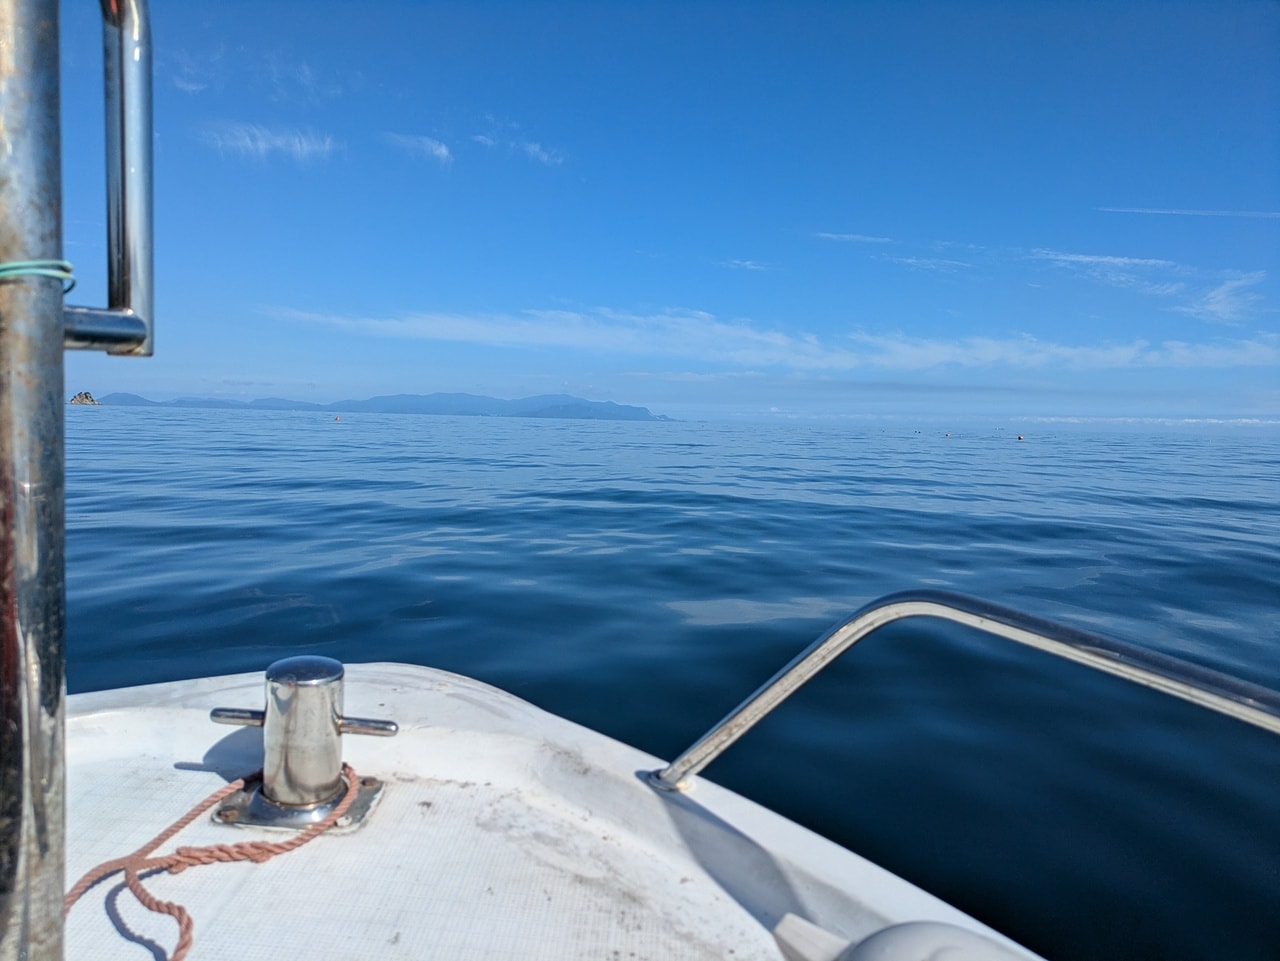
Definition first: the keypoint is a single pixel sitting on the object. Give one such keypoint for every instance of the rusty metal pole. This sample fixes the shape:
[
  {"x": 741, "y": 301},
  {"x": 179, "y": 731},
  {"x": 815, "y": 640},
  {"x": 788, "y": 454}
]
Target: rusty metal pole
[{"x": 32, "y": 512}]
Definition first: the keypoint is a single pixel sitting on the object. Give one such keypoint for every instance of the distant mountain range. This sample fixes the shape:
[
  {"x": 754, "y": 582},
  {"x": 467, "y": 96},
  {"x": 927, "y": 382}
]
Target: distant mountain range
[{"x": 465, "y": 405}]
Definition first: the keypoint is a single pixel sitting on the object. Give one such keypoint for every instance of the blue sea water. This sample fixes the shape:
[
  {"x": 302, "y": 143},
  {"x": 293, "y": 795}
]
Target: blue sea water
[{"x": 642, "y": 578}]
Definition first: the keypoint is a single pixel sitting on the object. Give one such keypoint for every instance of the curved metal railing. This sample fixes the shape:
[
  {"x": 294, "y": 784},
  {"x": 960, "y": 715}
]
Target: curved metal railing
[{"x": 1191, "y": 682}]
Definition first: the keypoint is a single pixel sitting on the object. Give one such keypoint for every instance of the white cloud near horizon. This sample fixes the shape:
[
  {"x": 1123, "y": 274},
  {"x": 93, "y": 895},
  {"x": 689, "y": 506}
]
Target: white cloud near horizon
[
  {"x": 254, "y": 140},
  {"x": 700, "y": 335},
  {"x": 426, "y": 147},
  {"x": 900, "y": 352}
]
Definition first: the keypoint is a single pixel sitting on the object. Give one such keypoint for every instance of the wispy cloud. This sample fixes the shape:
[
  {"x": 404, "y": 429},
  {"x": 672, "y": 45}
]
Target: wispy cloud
[
  {"x": 253, "y": 140},
  {"x": 506, "y": 134},
  {"x": 1218, "y": 297},
  {"x": 671, "y": 333},
  {"x": 854, "y": 238},
  {"x": 900, "y": 352},
  {"x": 1229, "y": 302},
  {"x": 549, "y": 157},
  {"x": 193, "y": 72},
  {"x": 740, "y": 344},
  {"x": 959, "y": 245},
  {"x": 267, "y": 74},
  {"x": 1099, "y": 262},
  {"x": 293, "y": 81},
  {"x": 1264, "y": 214},
  {"x": 1144, "y": 274},
  {"x": 426, "y": 147},
  {"x": 930, "y": 263},
  {"x": 747, "y": 265}
]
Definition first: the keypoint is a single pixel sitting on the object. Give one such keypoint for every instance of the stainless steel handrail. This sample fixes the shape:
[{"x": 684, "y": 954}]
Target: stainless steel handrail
[
  {"x": 35, "y": 328},
  {"x": 125, "y": 325},
  {"x": 1191, "y": 682},
  {"x": 32, "y": 507}
]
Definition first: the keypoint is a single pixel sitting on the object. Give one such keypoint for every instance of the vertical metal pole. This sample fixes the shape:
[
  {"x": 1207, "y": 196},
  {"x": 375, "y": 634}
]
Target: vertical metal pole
[{"x": 32, "y": 513}]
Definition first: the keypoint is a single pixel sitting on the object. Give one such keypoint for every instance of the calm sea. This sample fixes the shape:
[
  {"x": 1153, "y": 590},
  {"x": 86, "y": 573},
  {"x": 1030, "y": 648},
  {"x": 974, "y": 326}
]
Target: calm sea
[{"x": 642, "y": 578}]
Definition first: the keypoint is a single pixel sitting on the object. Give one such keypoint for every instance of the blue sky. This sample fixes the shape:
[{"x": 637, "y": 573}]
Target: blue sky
[{"x": 711, "y": 209}]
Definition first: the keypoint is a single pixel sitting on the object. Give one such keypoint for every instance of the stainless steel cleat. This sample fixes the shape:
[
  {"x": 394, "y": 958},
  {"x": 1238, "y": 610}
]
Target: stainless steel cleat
[{"x": 302, "y": 727}]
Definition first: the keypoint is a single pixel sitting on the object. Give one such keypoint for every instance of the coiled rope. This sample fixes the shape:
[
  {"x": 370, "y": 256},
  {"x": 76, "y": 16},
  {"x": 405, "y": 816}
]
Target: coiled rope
[
  {"x": 57, "y": 269},
  {"x": 138, "y": 863}
]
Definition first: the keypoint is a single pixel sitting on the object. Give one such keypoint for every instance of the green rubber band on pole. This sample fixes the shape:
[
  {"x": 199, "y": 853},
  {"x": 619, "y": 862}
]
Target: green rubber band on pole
[{"x": 57, "y": 269}]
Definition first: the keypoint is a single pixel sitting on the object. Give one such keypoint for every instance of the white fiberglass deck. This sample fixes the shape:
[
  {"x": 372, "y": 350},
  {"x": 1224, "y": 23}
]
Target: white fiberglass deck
[{"x": 503, "y": 832}]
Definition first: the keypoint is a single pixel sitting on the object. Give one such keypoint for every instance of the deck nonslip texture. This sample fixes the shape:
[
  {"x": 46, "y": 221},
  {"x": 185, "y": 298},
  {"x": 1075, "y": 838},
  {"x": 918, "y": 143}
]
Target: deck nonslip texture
[
  {"x": 502, "y": 832},
  {"x": 456, "y": 869}
]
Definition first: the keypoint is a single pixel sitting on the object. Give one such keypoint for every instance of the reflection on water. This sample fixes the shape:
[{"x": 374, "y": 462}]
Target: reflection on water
[{"x": 721, "y": 612}]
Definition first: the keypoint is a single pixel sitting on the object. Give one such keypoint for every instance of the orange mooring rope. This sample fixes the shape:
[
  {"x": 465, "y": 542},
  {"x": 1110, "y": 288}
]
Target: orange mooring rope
[{"x": 138, "y": 863}]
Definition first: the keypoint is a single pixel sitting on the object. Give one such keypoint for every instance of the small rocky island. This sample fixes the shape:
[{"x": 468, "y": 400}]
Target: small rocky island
[{"x": 84, "y": 397}]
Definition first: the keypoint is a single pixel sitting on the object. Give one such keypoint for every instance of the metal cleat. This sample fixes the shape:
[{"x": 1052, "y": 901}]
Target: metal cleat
[{"x": 302, "y": 728}]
